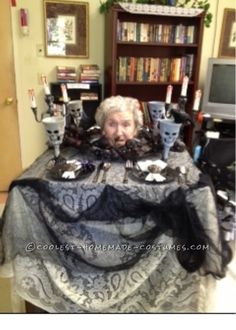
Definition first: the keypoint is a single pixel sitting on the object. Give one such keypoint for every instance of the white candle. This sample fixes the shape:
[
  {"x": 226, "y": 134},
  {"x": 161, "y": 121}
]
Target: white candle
[
  {"x": 45, "y": 85},
  {"x": 64, "y": 93},
  {"x": 184, "y": 86},
  {"x": 32, "y": 98},
  {"x": 169, "y": 94},
  {"x": 197, "y": 100}
]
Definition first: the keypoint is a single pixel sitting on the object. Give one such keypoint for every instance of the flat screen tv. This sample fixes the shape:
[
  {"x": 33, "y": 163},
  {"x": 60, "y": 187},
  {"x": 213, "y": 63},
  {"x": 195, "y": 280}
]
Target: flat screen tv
[{"x": 219, "y": 89}]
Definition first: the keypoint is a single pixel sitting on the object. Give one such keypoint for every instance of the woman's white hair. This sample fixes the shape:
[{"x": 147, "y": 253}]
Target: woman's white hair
[{"x": 119, "y": 104}]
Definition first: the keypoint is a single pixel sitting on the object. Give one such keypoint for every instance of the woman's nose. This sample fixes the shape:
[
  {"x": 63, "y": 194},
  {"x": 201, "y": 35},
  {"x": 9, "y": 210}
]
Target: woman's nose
[{"x": 119, "y": 130}]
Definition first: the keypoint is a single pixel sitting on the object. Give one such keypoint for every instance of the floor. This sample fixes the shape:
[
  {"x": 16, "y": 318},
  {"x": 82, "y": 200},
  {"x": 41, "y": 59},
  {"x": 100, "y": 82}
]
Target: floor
[
  {"x": 225, "y": 293},
  {"x": 222, "y": 297},
  {"x": 3, "y": 198},
  {"x": 5, "y": 284}
]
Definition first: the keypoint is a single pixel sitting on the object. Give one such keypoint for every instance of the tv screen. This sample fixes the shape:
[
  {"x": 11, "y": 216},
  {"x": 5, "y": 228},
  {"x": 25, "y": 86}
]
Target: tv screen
[{"x": 219, "y": 89}]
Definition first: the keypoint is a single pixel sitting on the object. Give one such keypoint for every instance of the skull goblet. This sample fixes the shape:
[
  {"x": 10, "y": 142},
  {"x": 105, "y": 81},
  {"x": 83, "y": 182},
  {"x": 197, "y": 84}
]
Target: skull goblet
[
  {"x": 55, "y": 128},
  {"x": 157, "y": 111},
  {"x": 169, "y": 132},
  {"x": 75, "y": 110}
]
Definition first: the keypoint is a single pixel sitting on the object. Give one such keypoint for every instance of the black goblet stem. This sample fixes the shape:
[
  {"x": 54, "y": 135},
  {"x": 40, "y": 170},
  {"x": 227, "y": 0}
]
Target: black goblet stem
[
  {"x": 49, "y": 100},
  {"x": 182, "y": 102},
  {"x": 167, "y": 109}
]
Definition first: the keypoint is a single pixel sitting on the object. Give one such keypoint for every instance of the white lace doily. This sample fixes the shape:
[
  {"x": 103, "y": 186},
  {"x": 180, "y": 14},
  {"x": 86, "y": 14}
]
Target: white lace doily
[{"x": 137, "y": 8}]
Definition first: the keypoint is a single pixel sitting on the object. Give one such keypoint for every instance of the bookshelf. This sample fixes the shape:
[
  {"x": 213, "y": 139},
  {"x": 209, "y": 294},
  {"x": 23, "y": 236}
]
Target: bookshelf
[{"x": 137, "y": 43}]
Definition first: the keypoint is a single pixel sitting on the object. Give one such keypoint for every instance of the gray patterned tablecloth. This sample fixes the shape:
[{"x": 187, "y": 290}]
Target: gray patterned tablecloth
[{"x": 64, "y": 254}]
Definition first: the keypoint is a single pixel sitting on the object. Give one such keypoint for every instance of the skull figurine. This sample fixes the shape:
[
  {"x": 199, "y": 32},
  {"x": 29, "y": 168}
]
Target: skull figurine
[
  {"x": 157, "y": 111},
  {"x": 75, "y": 109},
  {"x": 169, "y": 132},
  {"x": 55, "y": 128}
]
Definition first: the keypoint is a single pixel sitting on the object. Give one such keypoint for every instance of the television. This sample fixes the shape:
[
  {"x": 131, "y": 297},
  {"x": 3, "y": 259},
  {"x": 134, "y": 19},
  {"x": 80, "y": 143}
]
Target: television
[{"x": 219, "y": 89}]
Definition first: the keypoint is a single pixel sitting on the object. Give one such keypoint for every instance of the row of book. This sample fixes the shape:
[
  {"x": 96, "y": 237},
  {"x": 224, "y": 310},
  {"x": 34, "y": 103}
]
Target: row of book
[
  {"x": 152, "y": 69},
  {"x": 155, "y": 33},
  {"x": 88, "y": 73},
  {"x": 66, "y": 74},
  {"x": 89, "y": 96}
]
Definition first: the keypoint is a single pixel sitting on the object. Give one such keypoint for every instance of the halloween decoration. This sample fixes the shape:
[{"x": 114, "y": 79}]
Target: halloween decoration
[
  {"x": 157, "y": 111},
  {"x": 75, "y": 110},
  {"x": 54, "y": 127},
  {"x": 169, "y": 132}
]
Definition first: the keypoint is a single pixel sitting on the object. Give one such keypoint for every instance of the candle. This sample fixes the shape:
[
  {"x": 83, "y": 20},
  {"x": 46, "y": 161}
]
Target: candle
[
  {"x": 32, "y": 99},
  {"x": 184, "y": 86},
  {"x": 64, "y": 93},
  {"x": 45, "y": 85},
  {"x": 169, "y": 94},
  {"x": 197, "y": 99}
]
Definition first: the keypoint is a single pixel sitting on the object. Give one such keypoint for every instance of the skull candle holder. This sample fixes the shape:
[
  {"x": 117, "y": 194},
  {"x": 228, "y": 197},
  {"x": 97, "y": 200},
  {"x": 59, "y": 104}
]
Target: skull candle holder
[
  {"x": 169, "y": 133},
  {"x": 55, "y": 129},
  {"x": 75, "y": 110},
  {"x": 157, "y": 111}
]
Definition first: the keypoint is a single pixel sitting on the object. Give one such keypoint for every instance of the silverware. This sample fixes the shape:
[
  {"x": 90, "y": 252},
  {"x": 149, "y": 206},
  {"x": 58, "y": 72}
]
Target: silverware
[
  {"x": 128, "y": 167},
  {"x": 105, "y": 168},
  {"x": 100, "y": 166},
  {"x": 183, "y": 175}
]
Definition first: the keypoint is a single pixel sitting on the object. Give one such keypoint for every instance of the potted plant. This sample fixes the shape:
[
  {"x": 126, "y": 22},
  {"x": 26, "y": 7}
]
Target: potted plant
[{"x": 201, "y": 4}]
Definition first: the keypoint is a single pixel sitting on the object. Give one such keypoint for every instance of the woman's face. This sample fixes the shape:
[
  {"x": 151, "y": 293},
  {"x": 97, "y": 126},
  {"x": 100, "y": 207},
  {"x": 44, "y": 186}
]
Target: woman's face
[{"x": 119, "y": 127}]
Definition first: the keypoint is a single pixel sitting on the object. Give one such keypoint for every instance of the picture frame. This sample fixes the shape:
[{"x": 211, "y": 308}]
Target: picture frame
[
  {"x": 66, "y": 28},
  {"x": 228, "y": 34}
]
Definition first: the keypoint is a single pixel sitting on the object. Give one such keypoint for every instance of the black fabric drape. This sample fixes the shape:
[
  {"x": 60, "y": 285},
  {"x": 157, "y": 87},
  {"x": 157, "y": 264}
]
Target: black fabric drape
[{"x": 174, "y": 216}]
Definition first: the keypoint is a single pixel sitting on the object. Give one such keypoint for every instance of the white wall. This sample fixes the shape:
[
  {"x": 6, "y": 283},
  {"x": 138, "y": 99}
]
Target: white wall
[
  {"x": 211, "y": 37},
  {"x": 29, "y": 66}
]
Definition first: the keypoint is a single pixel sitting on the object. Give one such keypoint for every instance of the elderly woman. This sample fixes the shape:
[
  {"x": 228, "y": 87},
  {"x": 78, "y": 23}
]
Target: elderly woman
[
  {"x": 119, "y": 136},
  {"x": 120, "y": 119}
]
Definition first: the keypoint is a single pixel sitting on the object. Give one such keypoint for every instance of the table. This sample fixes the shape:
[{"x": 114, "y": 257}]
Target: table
[{"x": 81, "y": 247}]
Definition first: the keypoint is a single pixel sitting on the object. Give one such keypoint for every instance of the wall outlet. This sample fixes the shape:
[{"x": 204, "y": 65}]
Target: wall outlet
[{"x": 39, "y": 50}]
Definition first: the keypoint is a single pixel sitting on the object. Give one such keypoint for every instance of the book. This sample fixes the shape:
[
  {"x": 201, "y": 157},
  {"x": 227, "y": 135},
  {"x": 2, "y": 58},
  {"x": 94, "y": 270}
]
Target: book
[
  {"x": 89, "y": 73},
  {"x": 89, "y": 96},
  {"x": 66, "y": 74}
]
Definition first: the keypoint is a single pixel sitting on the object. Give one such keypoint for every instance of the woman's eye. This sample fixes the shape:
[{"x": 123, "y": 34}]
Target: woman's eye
[
  {"x": 112, "y": 124},
  {"x": 126, "y": 124}
]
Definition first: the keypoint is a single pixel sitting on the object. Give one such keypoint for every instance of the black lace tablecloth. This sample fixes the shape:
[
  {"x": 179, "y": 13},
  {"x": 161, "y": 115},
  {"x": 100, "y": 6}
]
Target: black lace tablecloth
[{"x": 83, "y": 247}]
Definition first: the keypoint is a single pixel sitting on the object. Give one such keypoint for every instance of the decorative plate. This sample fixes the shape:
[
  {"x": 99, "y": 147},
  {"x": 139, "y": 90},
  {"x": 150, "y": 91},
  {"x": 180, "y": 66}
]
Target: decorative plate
[
  {"x": 163, "y": 176},
  {"x": 70, "y": 171}
]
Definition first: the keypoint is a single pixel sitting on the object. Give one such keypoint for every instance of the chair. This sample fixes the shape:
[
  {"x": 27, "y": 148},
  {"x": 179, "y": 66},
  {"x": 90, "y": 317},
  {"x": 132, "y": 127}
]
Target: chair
[{"x": 217, "y": 160}]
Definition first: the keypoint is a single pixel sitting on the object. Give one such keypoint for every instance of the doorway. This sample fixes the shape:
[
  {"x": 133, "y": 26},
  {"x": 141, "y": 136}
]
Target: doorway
[{"x": 10, "y": 155}]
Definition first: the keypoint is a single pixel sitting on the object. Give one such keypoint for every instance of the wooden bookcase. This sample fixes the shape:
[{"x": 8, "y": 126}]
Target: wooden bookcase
[{"x": 115, "y": 49}]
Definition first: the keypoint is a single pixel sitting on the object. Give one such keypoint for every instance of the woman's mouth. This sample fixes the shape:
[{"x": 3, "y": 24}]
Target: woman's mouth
[{"x": 120, "y": 142}]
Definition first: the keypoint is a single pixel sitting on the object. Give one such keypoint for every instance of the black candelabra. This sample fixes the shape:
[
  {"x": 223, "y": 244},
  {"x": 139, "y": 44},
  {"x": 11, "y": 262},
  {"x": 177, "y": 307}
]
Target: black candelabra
[
  {"x": 182, "y": 103},
  {"x": 50, "y": 108}
]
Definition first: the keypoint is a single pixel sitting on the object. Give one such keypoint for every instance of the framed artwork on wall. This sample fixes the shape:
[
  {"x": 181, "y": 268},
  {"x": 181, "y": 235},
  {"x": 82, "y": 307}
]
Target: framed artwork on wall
[
  {"x": 66, "y": 28},
  {"x": 228, "y": 34}
]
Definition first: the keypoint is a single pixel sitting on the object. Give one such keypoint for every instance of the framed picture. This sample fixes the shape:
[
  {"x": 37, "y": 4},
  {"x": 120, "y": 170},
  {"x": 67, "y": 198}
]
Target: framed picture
[
  {"x": 66, "y": 28},
  {"x": 228, "y": 34}
]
